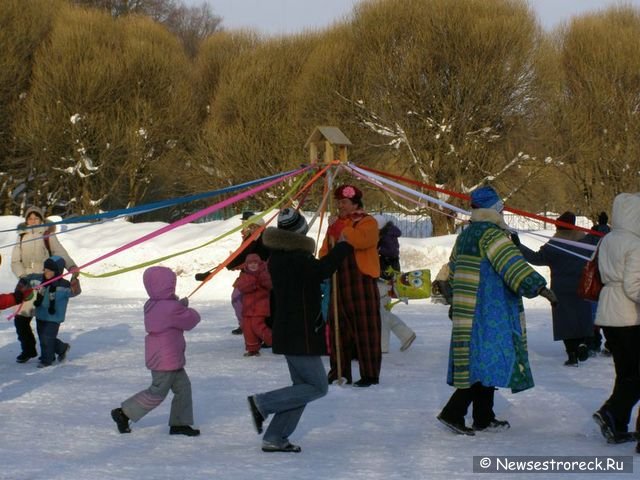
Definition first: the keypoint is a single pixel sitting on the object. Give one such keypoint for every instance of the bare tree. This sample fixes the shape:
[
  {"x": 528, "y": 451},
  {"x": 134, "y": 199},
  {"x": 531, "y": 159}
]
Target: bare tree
[
  {"x": 109, "y": 107},
  {"x": 191, "y": 24},
  {"x": 597, "y": 111},
  {"x": 441, "y": 88}
]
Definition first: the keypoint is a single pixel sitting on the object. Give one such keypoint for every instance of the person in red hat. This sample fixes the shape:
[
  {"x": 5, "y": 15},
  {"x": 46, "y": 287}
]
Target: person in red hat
[{"x": 357, "y": 291}]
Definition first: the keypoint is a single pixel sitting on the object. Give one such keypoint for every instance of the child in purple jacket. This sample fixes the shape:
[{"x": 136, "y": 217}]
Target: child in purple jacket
[{"x": 165, "y": 319}]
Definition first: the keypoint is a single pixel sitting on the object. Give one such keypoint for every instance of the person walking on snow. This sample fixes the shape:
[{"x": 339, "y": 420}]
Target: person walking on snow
[
  {"x": 619, "y": 314},
  {"x": 35, "y": 244},
  {"x": 298, "y": 327},
  {"x": 165, "y": 319},
  {"x": 254, "y": 284},
  {"x": 50, "y": 311},
  {"x": 572, "y": 318},
  {"x": 488, "y": 347}
]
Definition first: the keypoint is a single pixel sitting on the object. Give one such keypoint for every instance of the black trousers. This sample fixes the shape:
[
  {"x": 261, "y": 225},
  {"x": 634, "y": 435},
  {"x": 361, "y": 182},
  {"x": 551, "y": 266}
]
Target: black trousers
[
  {"x": 571, "y": 344},
  {"x": 482, "y": 399},
  {"x": 25, "y": 335},
  {"x": 624, "y": 343}
]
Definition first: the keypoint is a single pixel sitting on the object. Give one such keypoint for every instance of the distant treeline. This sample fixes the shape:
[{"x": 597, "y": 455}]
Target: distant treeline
[{"x": 103, "y": 108}]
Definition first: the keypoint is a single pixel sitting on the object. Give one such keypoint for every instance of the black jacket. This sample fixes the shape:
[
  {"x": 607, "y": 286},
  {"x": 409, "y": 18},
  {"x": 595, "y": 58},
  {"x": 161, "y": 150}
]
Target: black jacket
[{"x": 298, "y": 327}]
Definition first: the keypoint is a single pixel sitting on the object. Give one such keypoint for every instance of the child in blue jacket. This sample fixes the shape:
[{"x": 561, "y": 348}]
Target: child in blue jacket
[{"x": 51, "y": 307}]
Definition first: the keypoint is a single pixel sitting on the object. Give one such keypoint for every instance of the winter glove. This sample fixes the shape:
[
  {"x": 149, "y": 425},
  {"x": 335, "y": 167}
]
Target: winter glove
[
  {"x": 549, "y": 295},
  {"x": 201, "y": 276},
  {"x": 184, "y": 301},
  {"x": 515, "y": 239},
  {"x": 38, "y": 300}
]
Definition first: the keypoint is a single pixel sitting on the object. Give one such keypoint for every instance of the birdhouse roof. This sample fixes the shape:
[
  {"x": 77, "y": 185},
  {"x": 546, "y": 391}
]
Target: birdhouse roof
[{"x": 332, "y": 134}]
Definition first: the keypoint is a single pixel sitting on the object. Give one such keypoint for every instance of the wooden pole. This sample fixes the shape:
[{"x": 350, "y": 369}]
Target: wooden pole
[{"x": 334, "y": 298}]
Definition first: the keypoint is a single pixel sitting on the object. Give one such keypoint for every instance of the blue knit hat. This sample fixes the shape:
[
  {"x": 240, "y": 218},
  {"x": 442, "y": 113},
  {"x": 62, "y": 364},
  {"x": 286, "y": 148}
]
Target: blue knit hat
[
  {"x": 486, "y": 197},
  {"x": 55, "y": 264}
]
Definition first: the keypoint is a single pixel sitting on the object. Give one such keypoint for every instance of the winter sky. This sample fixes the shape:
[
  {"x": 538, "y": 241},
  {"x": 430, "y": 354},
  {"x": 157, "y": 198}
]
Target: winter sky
[{"x": 291, "y": 16}]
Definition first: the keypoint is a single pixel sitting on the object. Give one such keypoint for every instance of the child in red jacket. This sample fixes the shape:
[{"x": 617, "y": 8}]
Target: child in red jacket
[{"x": 254, "y": 283}]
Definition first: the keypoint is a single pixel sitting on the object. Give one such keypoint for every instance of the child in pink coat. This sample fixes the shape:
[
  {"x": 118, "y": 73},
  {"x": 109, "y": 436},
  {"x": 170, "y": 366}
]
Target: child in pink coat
[
  {"x": 254, "y": 283},
  {"x": 165, "y": 319}
]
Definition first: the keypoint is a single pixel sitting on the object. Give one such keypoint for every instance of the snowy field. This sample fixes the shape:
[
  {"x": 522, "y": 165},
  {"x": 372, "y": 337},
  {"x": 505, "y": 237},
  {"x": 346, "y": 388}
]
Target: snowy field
[{"x": 55, "y": 422}]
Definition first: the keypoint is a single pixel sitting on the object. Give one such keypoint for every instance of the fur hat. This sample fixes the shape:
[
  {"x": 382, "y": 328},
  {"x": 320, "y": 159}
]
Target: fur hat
[
  {"x": 486, "y": 197},
  {"x": 348, "y": 191},
  {"x": 566, "y": 217},
  {"x": 291, "y": 220},
  {"x": 55, "y": 264}
]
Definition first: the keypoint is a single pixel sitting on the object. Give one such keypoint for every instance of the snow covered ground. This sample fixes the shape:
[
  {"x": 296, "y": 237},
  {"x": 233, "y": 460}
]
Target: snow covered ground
[{"x": 55, "y": 422}]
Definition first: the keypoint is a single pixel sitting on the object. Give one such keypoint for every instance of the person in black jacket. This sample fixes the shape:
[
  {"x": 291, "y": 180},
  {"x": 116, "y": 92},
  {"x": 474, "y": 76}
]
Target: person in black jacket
[{"x": 298, "y": 327}]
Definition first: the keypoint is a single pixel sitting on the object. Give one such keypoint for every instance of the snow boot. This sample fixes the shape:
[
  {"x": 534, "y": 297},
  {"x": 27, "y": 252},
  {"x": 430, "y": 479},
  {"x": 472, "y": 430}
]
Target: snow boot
[
  {"x": 457, "y": 427},
  {"x": 256, "y": 416},
  {"x": 121, "y": 419},
  {"x": 583, "y": 352},
  {"x": 184, "y": 430},
  {"x": 63, "y": 356},
  {"x": 572, "y": 361},
  {"x": 607, "y": 424},
  {"x": 25, "y": 357},
  {"x": 495, "y": 425},
  {"x": 287, "y": 447}
]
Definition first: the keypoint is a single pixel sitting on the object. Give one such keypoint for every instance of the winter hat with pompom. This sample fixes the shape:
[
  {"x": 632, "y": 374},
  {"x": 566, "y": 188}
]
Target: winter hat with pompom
[{"x": 291, "y": 220}]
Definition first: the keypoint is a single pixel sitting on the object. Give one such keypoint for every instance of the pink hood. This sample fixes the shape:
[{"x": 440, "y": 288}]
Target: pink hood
[{"x": 165, "y": 320}]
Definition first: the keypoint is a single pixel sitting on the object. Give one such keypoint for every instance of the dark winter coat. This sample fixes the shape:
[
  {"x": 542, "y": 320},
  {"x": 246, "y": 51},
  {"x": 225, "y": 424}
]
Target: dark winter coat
[
  {"x": 389, "y": 249},
  {"x": 388, "y": 245},
  {"x": 296, "y": 275},
  {"x": 572, "y": 317}
]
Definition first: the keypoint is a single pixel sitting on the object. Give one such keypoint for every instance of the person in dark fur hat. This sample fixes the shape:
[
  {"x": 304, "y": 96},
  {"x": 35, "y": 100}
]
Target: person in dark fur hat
[{"x": 298, "y": 327}]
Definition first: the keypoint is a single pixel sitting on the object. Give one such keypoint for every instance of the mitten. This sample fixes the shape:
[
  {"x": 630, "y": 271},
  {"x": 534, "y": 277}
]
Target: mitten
[
  {"x": 22, "y": 290},
  {"x": 201, "y": 276},
  {"x": 549, "y": 295},
  {"x": 184, "y": 301},
  {"x": 38, "y": 301},
  {"x": 52, "y": 300},
  {"x": 335, "y": 229}
]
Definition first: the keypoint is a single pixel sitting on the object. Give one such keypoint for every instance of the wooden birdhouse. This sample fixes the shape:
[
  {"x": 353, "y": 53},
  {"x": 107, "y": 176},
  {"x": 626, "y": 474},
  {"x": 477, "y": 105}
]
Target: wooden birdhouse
[{"x": 327, "y": 144}]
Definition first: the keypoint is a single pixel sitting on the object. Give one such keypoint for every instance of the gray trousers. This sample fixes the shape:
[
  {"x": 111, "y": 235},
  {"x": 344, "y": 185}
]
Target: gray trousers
[
  {"x": 390, "y": 321},
  {"x": 143, "y": 402},
  {"x": 309, "y": 383}
]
